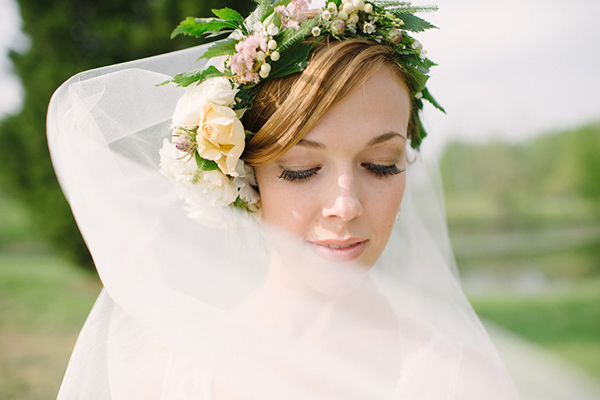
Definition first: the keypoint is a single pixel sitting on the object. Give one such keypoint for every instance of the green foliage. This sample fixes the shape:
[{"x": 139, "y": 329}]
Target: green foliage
[
  {"x": 198, "y": 27},
  {"x": 197, "y": 75},
  {"x": 204, "y": 164},
  {"x": 223, "y": 48},
  {"x": 554, "y": 178},
  {"x": 429, "y": 98},
  {"x": 413, "y": 23},
  {"x": 68, "y": 37},
  {"x": 291, "y": 37},
  {"x": 291, "y": 62},
  {"x": 405, "y": 6},
  {"x": 229, "y": 14}
]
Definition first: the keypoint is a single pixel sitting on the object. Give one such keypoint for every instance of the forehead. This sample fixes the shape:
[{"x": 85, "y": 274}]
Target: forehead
[{"x": 378, "y": 106}]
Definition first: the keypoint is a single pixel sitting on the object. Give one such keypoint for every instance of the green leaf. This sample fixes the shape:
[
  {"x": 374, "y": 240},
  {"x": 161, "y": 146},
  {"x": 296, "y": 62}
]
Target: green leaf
[
  {"x": 417, "y": 78},
  {"x": 249, "y": 134},
  {"x": 229, "y": 15},
  {"x": 223, "y": 48},
  {"x": 282, "y": 3},
  {"x": 427, "y": 96},
  {"x": 290, "y": 62},
  {"x": 413, "y": 23},
  {"x": 197, "y": 75},
  {"x": 245, "y": 96},
  {"x": 244, "y": 205},
  {"x": 199, "y": 26},
  {"x": 204, "y": 164}
]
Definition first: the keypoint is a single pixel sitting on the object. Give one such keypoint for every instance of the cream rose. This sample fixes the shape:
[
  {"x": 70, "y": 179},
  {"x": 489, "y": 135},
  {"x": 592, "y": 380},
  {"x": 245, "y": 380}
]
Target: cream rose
[
  {"x": 214, "y": 90},
  {"x": 221, "y": 137}
]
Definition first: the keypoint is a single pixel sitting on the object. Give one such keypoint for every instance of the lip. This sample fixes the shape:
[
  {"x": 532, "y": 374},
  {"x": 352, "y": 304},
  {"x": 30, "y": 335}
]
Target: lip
[{"x": 339, "y": 250}]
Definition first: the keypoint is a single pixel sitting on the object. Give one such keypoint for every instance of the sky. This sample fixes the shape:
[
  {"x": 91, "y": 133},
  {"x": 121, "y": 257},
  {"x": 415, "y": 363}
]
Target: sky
[{"x": 508, "y": 70}]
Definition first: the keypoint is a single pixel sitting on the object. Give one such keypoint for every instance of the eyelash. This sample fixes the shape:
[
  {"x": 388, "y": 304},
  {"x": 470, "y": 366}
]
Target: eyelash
[
  {"x": 380, "y": 171},
  {"x": 298, "y": 176}
]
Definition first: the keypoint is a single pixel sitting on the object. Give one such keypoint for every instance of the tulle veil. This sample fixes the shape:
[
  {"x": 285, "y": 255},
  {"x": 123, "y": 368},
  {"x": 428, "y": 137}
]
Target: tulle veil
[{"x": 191, "y": 312}]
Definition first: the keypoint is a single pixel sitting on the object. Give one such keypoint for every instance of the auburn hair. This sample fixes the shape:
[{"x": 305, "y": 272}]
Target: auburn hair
[{"x": 286, "y": 109}]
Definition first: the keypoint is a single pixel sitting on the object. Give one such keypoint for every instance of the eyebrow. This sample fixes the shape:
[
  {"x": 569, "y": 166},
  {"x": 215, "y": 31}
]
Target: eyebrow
[
  {"x": 384, "y": 138},
  {"x": 373, "y": 142}
]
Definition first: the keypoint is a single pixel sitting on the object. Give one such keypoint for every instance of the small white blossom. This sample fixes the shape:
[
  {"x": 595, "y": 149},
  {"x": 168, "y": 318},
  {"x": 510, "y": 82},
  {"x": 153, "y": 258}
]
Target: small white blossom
[
  {"x": 272, "y": 30},
  {"x": 316, "y": 31},
  {"x": 423, "y": 53},
  {"x": 417, "y": 45},
  {"x": 353, "y": 18},
  {"x": 260, "y": 56},
  {"x": 258, "y": 26},
  {"x": 351, "y": 27},
  {"x": 368, "y": 28},
  {"x": 272, "y": 44},
  {"x": 275, "y": 56},
  {"x": 332, "y": 8},
  {"x": 368, "y": 8},
  {"x": 418, "y": 95},
  {"x": 326, "y": 15}
]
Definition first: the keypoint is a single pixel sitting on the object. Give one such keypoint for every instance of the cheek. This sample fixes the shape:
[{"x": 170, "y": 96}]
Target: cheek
[
  {"x": 283, "y": 205},
  {"x": 384, "y": 205}
]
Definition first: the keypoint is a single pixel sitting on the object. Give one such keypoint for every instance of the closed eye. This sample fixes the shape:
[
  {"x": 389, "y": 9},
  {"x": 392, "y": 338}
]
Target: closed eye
[
  {"x": 298, "y": 176},
  {"x": 382, "y": 171}
]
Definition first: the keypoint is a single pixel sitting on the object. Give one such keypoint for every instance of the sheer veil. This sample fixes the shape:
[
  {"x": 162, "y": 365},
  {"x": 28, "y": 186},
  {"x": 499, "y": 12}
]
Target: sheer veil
[{"x": 243, "y": 311}]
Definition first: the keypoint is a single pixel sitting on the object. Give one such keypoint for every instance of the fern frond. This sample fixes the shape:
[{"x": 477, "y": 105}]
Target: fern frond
[
  {"x": 404, "y": 6},
  {"x": 412, "y": 9},
  {"x": 291, "y": 37},
  {"x": 413, "y": 23},
  {"x": 263, "y": 9}
]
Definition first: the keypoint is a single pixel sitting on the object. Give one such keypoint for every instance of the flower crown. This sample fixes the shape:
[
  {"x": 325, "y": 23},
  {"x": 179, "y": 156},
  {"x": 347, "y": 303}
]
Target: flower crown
[{"x": 203, "y": 156}]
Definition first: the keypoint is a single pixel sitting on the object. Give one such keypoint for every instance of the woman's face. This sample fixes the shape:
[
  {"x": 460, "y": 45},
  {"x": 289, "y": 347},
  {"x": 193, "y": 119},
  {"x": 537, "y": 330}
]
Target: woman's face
[{"x": 339, "y": 189}]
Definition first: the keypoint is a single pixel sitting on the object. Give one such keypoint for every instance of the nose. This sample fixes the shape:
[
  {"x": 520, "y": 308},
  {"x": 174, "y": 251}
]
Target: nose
[{"x": 344, "y": 201}]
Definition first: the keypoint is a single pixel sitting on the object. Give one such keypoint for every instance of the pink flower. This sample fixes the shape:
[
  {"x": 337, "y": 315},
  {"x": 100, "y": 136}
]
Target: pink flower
[
  {"x": 294, "y": 13},
  {"x": 242, "y": 62},
  {"x": 298, "y": 9}
]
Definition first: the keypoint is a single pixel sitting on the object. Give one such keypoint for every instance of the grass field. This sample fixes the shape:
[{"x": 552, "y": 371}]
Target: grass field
[
  {"x": 44, "y": 303},
  {"x": 566, "y": 323}
]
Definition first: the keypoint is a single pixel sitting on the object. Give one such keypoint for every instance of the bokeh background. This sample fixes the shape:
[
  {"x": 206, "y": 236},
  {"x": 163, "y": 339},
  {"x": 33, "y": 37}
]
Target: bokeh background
[{"x": 519, "y": 152}]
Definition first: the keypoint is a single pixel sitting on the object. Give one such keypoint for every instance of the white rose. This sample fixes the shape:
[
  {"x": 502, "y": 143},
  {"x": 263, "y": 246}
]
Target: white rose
[
  {"x": 213, "y": 90},
  {"x": 221, "y": 137}
]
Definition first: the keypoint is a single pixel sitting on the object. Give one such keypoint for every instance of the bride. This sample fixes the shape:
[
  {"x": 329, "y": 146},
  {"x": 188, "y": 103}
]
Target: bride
[{"x": 269, "y": 232}]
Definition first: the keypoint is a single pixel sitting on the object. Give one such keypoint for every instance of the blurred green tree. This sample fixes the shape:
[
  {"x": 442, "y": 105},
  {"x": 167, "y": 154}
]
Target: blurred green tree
[
  {"x": 554, "y": 178},
  {"x": 67, "y": 37}
]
